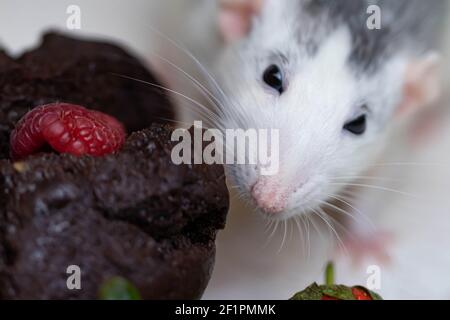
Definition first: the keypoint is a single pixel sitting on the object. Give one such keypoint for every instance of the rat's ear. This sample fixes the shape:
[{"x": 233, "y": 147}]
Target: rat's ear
[
  {"x": 422, "y": 85},
  {"x": 235, "y": 17}
]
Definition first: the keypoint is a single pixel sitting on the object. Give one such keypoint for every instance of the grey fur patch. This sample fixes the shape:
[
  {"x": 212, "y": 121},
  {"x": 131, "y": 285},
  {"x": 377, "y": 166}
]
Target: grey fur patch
[{"x": 409, "y": 25}]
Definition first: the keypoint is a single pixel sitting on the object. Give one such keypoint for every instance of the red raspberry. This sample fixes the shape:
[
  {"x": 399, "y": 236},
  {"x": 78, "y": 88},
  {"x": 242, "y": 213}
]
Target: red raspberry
[{"x": 67, "y": 128}]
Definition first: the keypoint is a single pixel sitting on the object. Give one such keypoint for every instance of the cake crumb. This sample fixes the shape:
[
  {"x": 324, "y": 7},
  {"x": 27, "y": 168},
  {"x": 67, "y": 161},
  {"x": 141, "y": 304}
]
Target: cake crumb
[{"x": 20, "y": 166}]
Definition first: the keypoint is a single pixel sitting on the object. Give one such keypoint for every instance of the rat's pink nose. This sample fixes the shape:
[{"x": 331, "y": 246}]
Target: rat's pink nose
[{"x": 269, "y": 196}]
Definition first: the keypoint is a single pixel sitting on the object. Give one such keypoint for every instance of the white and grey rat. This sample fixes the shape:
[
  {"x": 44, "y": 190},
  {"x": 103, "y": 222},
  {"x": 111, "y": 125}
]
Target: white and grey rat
[
  {"x": 337, "y": 91},
  {"x": 333, "y": 87}
]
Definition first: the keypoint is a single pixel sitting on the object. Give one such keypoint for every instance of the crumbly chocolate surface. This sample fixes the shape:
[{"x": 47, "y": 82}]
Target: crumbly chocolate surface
[
  {"x": 80, "y": 72},
  {"x": 133, "y": 214}
]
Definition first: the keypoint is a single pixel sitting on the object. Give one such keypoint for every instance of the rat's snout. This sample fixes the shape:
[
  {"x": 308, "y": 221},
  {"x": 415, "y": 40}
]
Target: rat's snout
[{"x": 269, "y": 196}]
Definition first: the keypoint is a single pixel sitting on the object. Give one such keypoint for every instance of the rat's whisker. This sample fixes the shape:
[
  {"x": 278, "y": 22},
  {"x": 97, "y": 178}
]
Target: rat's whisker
[
  {"x": 290, "y": 233},
  {"x": 300, "y": 230},
  {"x": 204, "y": 111},
  {"x": 268, "y": 225},
  {"x": 271, "y": 235},
  {"x": 321, "y": 214},
  {"x": 340, "y": 210},
  {"x": 305, "y": 219},
  {"x": 191, "y": 56},
  {"x": 365, "y": 178},
  {"x": 417, "y": 164},
  {"x": 375, "y": 187},
  {"x": 175, "y": 121},
  {"x": 313, "y": 223},
  {"x": 304, "y": 233},
  {"x": 235, "y": 196},
  {"x": 211, "y": 98},
  {"x": 349, "y": 195},
  {"x": 335, "y": 222},
  {"x": 340, "y": 199},
  {"x": 284, "y": 236},
  {"x": 322, "y": 220},
  {"x": 267, "y": 228}
]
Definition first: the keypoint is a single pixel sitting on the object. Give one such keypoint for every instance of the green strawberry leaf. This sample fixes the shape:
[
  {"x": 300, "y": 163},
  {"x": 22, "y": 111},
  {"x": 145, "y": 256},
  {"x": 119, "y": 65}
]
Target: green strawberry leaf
[
  {"x": 118, "y": 288},
  {"x": 340, "y": 292},
  {"x": 313, "y": 292}
]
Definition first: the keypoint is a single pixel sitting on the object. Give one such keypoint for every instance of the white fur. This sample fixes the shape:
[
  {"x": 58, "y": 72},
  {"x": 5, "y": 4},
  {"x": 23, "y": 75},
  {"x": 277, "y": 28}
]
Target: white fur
[{"x": 323, "y": 93}]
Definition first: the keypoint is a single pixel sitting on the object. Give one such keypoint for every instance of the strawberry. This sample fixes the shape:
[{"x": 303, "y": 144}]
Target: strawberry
[
  {"x": 66, "y": 128},
  {"x": 331, "y": 291},
  {"x": 360, "y": 293}
]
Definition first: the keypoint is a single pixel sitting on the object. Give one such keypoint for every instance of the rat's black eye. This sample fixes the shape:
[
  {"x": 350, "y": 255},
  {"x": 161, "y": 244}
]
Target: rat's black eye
[
  {"x": 357, "y": 126},
  {"x": 274, "y": 78}
]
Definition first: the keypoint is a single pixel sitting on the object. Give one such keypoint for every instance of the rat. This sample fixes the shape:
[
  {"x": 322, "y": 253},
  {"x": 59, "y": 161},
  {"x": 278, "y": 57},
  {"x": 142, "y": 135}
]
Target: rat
[
  {"x": 332, "y": 86},
  {"x": 338, "y": 91},
  {"x": 335, "y": 88}
]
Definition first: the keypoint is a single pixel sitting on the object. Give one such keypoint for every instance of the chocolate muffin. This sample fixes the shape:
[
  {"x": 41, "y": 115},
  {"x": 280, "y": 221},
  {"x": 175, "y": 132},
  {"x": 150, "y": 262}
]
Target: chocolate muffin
[
  {"x": 133, "y": 214},
  {"x": 86, "y": 73}
]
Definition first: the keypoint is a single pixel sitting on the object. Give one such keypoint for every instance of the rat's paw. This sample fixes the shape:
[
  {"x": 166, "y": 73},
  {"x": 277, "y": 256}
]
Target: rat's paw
[{"x": 362, "y": 247}]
